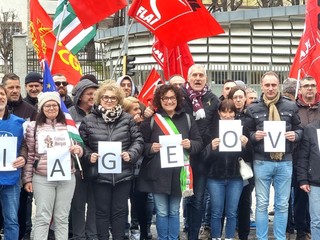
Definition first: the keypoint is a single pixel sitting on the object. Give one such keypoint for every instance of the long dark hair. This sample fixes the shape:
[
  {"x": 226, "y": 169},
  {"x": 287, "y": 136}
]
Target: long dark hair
[{"x": 41, "y": 117}]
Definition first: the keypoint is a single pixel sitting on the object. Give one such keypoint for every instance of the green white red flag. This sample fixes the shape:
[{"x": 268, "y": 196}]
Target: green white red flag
[{"x": 72, "y": 34}]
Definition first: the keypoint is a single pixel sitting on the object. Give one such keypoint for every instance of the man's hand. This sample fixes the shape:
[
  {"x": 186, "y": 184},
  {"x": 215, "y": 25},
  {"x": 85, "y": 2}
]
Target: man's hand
[
  {"x": 291, "y": 136},
  {"x": 186, "y": 143},
  {"x": 19, "y": 162},
  {"x": 155, "y": 147},
  {"x": 125, "y": 156},
  {"x": 305, "y": 187},
  {"x": 260, "y": 135},
  {"x": 215, "y": 143}
]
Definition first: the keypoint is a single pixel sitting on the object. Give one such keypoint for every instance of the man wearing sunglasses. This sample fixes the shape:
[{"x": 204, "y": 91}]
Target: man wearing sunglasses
[{"x": 61, "y": 84}]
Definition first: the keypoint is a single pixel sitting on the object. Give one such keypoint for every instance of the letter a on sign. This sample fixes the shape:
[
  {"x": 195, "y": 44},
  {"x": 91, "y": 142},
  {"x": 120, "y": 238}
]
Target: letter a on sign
[
  {"x": 8, "y": 153},
  {"x": 58, "y": 164}
]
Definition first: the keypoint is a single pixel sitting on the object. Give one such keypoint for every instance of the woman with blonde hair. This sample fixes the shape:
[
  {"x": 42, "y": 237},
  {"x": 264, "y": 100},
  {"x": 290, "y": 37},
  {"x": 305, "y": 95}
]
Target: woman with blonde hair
[{"x": 108, "y": 122}]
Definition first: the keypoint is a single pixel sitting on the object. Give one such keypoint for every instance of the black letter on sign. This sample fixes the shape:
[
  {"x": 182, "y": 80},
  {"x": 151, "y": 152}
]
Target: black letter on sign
[
  {"x": 169, "y": 154},
  {"x": 113, "y": 166},
  {"x": 272, "y": 143},
  {"x": 4, "y": 157},
  {"x": 57, "y": 162},
  {"x": 235, "y": 139}
]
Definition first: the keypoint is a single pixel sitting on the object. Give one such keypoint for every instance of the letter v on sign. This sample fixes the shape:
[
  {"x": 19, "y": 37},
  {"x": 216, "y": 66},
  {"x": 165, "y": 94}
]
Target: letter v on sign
[{"x": 274, "y": 144}]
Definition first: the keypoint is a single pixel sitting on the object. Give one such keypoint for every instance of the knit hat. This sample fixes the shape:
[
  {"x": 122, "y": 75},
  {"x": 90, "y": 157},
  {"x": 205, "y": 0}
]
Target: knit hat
[
  {"x": 44, "y": 97},
  {"x": 33, "y": 77}
]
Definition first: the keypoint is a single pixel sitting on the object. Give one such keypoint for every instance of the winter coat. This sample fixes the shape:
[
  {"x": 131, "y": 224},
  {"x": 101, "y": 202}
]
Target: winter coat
[
  {"x": 37, "y": 162},
  {"x": 22, "y": 109},
  {"x": 308, "y": 112},
  {"x": 225, "y": 165},
  {"x": 152, "y": 177},
  {"x": 93, "y": 129},
  {"x": 308, "y": 164},
  {"x": 258, "y": 112}
]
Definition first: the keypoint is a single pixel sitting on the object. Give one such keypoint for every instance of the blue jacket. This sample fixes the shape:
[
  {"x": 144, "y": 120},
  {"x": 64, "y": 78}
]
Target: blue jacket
[{"x": 11, "y": 126}]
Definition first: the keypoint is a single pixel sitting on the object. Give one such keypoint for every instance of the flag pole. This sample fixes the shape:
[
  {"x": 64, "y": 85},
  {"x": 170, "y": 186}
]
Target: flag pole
[
  {"x": 78, "y": 160},
  {"x": 58, "y": 35},
  {"x": 122, "y": 48},
  {"x": 180, "y": 60}
]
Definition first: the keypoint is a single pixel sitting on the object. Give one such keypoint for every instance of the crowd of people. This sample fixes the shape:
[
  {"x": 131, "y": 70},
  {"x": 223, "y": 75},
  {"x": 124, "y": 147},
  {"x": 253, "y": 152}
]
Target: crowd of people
[{"x": 81, "y": 190}]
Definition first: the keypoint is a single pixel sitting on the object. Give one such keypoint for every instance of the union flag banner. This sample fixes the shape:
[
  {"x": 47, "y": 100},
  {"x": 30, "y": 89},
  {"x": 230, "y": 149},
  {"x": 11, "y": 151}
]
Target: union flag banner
[
  {"x": 43, "y": 41},
  {"x": 175, "y": 61},
  {"x": 91, "y": 12},
  {"x": 146, "y": 93},
  {"x": 307, "y": 59},
  {"x": 175, "y": 22}
]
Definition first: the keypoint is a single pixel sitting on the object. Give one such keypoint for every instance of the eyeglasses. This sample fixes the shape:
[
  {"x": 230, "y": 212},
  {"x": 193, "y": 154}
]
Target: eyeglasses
[
  {"x": 58, "y": 83},
  {"x": 47, "y": 107},
  {"x": 166, "y": 99},
  {"x": 108, "y": 98},
  {"x": 306, "y": 86},
  {"x": 237, "y": 97}
]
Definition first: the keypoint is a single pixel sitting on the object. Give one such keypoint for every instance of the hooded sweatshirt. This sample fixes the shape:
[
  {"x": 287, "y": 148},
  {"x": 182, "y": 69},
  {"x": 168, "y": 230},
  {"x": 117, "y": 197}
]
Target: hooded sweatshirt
[
  {"x": 133, "y": 87},
  {"x": 77, "y": 113}
]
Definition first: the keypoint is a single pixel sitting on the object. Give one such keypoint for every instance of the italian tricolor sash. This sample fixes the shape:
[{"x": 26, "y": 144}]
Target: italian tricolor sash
[{"x": 186, "y": 179}]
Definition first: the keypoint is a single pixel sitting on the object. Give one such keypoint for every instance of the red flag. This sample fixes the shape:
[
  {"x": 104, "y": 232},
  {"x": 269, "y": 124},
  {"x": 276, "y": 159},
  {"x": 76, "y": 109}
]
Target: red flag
[
  {"x": 307, "y": 58},
  {"x": 175, "y": 61},
  {"x": 92, "y": 11},
  {"x": 146, "y": 93},
  {"x": 175, "y": 22},
  {"x": 43, "y": 41}
]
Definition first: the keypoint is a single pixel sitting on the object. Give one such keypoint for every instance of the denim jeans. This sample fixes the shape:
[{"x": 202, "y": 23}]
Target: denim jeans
[
  {"x": 314, "y": 209},
  {"x": 195, "y": 209},
  {"x": 167, "y": 212},
  {"x": 278, "y": 172},
  {"x": 9, "y": 199},
  {"x": 225, "y": 195}
]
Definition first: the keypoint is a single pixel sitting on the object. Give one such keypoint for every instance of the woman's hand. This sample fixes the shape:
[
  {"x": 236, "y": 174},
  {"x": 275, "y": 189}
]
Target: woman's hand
[
  {"x": 186, "y": 143},
  {"x": 215, "y": 143},
  {"x": 244, "y": 140},
  {"x": 28, "y": 187},
  {"x": 155, "y": 147},
  {"x": 76, "y": 150},
  {"x": 94, "y": 157},
  {"x": 125, "y": 156},
  {"x": 138, "y": 118}
]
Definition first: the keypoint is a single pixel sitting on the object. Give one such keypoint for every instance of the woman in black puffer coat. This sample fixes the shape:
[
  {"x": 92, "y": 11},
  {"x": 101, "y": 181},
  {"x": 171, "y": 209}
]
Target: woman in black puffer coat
[{"x": 108, "y": 122}]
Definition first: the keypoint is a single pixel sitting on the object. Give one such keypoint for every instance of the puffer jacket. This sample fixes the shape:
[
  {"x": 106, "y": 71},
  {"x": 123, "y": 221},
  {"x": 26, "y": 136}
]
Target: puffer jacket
[
  {"x": 37, "y": 163},
  {"x": 258, "y": 112},
  {"x": 93, "y": 129},
  {"x": 308, "y": 163}
]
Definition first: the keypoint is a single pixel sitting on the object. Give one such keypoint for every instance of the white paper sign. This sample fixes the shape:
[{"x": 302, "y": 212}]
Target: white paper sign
[
  {"x": 171, "y": 151},
  {"x": 110, "y": 160},
  {"x": 229, "y": 135},
  {"x": 318, "y": 135},
  {"x": 48, "y": 140},
  {"x": 58, "y": 164},
  {"x": 275, "y": 140},
  {"x": 8, "y": 153}
]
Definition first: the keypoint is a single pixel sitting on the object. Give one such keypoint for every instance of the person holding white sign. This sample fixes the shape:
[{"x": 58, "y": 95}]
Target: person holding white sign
[
  {"x": 224, "y": 179},
  {"x": 47, "y": 138},
  {"x": 111, "y": 186},
  {"x": 272, "y": 167},
  {"x": 13, "y": 158},
  {"x": 169, "y": 183}
]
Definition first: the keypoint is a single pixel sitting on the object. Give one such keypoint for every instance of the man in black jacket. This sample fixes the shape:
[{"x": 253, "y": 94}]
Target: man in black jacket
[
  {"x": 33, "y": 83},
  {"x": 200, "y": 102},
  {"x": 308, "y": 173},
  {"x": 273, "y": 167}
]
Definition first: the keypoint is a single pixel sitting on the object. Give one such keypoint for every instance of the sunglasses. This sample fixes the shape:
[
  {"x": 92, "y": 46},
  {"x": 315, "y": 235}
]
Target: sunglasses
[{"x": 61, "y": 83}]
